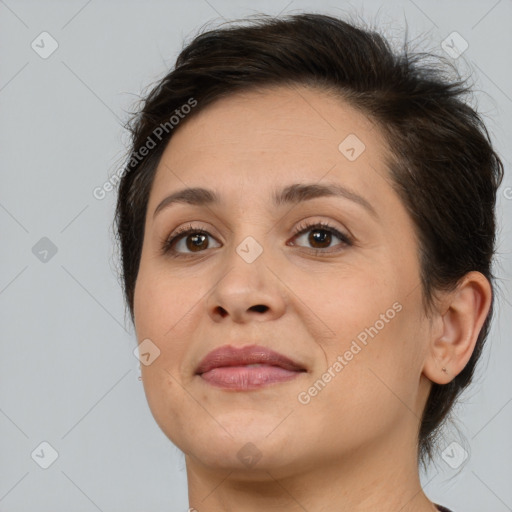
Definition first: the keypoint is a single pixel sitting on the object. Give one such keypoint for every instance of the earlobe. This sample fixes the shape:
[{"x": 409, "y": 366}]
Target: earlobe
[{"x": 460, "y": 319}]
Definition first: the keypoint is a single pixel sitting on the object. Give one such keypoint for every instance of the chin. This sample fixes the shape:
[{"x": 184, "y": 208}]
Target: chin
[{"x": 251, "y": 462}]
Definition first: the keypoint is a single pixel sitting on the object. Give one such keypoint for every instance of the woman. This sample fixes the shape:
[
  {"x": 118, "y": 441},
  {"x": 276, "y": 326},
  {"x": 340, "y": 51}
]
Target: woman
[{"x": 307, "y": 227}]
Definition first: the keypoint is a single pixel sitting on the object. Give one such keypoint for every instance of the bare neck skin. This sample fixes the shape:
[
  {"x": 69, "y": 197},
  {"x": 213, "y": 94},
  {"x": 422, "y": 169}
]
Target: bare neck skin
[{"x": 374, "y": 478}]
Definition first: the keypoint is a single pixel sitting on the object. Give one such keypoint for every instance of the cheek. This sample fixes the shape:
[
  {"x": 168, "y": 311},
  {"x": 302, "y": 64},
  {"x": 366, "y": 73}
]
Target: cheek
[
  {"x": 347, "y": 301},
  {"x": 382, "y": 360},
  {"x": 163, "y": 304},
  {"x": 367, "y": 387},
  {"x": 165, "y": 310},
  {"x": 370, "y": 320}
]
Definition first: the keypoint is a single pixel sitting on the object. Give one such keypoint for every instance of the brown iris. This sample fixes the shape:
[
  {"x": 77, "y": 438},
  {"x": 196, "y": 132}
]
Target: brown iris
[
  {"x": 320, "y": 236},
  {"x": 195, "y": 240}
]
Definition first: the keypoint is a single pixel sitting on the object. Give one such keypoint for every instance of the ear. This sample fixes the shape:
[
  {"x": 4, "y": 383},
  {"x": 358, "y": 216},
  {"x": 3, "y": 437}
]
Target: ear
[{"x": 456, "y": 327}]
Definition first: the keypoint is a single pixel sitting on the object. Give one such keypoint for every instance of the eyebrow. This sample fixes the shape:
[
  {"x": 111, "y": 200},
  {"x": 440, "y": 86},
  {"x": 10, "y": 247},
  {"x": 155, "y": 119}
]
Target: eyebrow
[{"x": 292, "y": 194}]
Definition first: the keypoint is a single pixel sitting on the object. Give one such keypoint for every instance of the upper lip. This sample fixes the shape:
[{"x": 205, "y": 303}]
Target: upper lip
[{"x": 228, "y": 355}]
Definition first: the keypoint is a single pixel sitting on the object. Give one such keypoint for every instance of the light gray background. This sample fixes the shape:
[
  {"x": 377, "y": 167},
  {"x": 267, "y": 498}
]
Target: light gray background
[{"x": 68, "y": 374}]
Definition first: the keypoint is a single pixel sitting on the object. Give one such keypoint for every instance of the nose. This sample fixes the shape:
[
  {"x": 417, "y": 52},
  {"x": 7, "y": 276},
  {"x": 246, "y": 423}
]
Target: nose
[{"x": 246, "y": 291}]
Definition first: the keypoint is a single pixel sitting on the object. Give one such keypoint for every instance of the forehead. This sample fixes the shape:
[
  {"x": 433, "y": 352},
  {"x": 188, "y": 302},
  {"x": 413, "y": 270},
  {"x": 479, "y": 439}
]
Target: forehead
[{"x": 273, "y": 137}]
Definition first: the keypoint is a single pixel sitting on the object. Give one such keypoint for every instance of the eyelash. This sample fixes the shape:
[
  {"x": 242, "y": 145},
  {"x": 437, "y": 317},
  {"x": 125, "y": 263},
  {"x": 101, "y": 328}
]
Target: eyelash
[{"x": 168, "y": 243}]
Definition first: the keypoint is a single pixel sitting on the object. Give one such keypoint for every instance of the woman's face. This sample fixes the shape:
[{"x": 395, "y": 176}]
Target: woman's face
[{"x": 346, "y": 309}]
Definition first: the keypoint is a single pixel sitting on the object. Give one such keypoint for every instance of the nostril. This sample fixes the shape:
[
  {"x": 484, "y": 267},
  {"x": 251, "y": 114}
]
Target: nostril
[
  {"x": 260, "y": 308},
  {"x": 222, "y": 312}
]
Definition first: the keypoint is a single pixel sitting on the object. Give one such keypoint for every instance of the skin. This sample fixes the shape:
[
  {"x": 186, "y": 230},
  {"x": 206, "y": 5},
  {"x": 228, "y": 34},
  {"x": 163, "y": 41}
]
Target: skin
[{"x": 353, "y": 445}]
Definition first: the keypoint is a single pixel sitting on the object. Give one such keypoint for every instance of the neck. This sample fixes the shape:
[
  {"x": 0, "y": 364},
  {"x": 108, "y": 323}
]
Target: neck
[{"x": 372, "y": 478}]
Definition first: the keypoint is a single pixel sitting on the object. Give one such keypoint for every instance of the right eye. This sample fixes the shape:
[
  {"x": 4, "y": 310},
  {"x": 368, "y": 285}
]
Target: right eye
[{"x": 186, "y": 238}]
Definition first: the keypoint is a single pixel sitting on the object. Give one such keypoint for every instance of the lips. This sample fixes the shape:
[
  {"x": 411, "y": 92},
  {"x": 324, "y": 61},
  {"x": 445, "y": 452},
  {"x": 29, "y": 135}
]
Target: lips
[
  {"x": 248, "y": 368},
  {"x": 227, "y": 356}
]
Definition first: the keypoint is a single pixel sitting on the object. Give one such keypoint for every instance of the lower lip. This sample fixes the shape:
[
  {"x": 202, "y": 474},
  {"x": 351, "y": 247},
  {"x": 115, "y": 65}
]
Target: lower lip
[{"x": 247, "y": 377}]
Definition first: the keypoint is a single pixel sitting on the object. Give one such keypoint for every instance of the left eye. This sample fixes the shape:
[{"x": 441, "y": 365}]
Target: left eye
[{"x": 321, "y": 235}]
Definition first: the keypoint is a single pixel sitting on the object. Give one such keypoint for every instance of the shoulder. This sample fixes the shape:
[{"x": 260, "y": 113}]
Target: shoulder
[{"x": 441, "y": 508}]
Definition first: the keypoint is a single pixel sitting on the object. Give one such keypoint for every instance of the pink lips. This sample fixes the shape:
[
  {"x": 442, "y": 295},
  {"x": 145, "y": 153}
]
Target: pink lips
[{"x": 228, "y": 367}]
